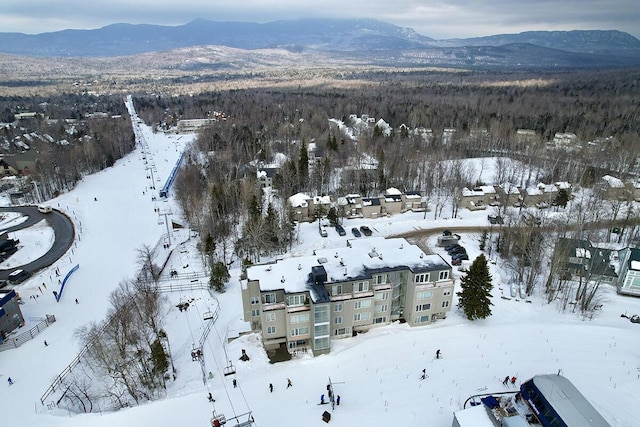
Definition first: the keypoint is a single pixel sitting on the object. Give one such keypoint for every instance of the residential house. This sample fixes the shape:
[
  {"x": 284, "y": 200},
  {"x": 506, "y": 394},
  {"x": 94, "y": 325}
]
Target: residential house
[
  {"x": 24, "y": 163},
  {"x": 305, "y": 302},
  {"x": 413, "y": 201},
  {"x": 6, "y": 169},
  {"x": 10, "y": 314},
  {"x": 392, "y": 201},
  {"x": 581, "y": 259},
  {"x": 629, "y": 271},
  {"x": 508, "y": 194},
  {"x": 265, "y": 176},
  {"x": 613, "y": 188},
  {"x": 477, "y": 198},
  {"x": 371, "y": 207},
  {"x": 351, "y": 205}
]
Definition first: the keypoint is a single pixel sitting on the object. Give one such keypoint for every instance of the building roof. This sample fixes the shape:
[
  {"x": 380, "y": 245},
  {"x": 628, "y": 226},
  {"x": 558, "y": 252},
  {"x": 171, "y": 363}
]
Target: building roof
[
  {"x": 359, "y": 260},
  {"x": 568, "y": 402}
]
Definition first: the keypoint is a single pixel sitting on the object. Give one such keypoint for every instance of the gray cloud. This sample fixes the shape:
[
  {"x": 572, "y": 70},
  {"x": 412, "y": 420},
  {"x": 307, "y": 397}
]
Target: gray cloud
[{"x": 438, "y": 19}]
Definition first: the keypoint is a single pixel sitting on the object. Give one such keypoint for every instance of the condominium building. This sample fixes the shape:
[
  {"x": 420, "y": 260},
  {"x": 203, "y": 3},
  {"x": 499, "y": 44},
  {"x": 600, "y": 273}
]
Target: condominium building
[{"x": 305, "y": 302}]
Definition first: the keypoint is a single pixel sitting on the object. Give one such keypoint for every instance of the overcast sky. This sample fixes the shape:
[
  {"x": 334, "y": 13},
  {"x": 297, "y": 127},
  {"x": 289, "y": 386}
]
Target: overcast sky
[{"x": 434, "y": 18}]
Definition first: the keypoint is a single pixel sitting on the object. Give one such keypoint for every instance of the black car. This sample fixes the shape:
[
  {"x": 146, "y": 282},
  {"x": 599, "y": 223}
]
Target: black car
[
  {"x": 356, "y": 232},
  {"x": 455, "y": 248},
  {"x": 366, "y": 230},
  {"x": 451, "y": 246},
  {"x": 459, "y": 250},
  {"x": 460, "y": 256},
  {"x": 340, "y": 230},
  {"x": 18, "y": 276}
]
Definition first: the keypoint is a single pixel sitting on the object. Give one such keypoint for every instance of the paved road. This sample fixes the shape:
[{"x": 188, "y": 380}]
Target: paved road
[{"x": 63, "y": 231}]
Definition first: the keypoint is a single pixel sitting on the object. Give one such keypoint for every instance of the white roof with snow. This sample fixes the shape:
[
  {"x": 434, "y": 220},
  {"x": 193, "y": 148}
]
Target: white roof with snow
[
  {"x": 393, "y": 192},
  {"x": 613, "y": 181},
  {"x": 635, "y": 265},
  {"x": 299, "y": 200},
  {"x": 344, "y": 263}
]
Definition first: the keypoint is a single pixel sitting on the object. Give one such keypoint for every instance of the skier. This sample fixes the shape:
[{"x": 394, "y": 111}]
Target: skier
[
  {"x": 77, "y": 302},
  {"x": 289, "y": 384},
  {"x": 235, "y": 383},
  {"x": 45, "y": 343},
  {"x": 513, "y": 380},
  {"x": 438, "y": 354},
  {"x": 44, "y": 286},
  {"x": 506, "y": 380},
  {"x": 338, "y": 400},
  {"x": 10, "y": 381},
  {"x": 321, "y": 398},
  {"x": 211, "y": 399},
  {"x": 270, "y": 388},
  {"x": 424, "y": 374}
]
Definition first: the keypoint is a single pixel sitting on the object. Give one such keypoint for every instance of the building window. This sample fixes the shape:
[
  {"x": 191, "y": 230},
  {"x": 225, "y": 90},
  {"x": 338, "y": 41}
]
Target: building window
[
  {"x": 422, "y": 319},
  {"x": 299, "y": 318},
  {"x": 270, "y": 317},
  {"x": 382, "y": 308},
  {"x": 423, "y": 307},
  {"x": 361, "y": 287},
  {"x": 421, "y": 278},
  {"x": 337, "y": 290},
  {"x": 445, "y": 304},
  {"x": 337, "y": 307},
  {"x": 381, "y": 296},
  {"x": 255, "y": 300},
  {"x": 340, "y": 331},
  {"x": 444, "y": 275},
  {"x": 271, "y": 330},
  {"x": 321, "y": 343},
  {"x": 381, "y": 279},
  {"x": 300, "y": 331},
  {"x": 321, "y": 313},
  {"x": 424, "y": 294},
  {"x": 321, "y": 330},
  {"x": 255, "y": 313},
  {"x": 337, "y": 320},
  {"x": 296, "y": 299},
  {"x": 361, "y": 316},
  {"x": 382, "y": 319},
  {"x": 362, "y": 304},
  {"x": 446, "y": 292},
  {"x": 269, "y": 298}
]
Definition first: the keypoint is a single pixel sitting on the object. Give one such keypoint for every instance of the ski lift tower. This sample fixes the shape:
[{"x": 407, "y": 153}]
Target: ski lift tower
[{"x": 165, "y": 213}]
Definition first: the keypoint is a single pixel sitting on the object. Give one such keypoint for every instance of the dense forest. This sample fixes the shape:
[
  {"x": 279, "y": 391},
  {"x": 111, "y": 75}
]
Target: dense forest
[
  {"x": 217, "y": 187},
  {"x": 69, "y": 136}
]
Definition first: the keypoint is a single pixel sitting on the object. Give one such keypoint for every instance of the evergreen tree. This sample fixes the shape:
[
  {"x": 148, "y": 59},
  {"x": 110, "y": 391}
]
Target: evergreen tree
[
  {"x": 474, "y": 299},
  {"x": 303, "y": 166},
  {"x": 219, "y": 276}
]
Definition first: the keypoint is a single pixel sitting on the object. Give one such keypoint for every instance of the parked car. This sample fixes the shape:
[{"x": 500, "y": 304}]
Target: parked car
[
  {"x": 455, "y": 261},
  {"x": 356, "y": 232},
  {"x": 323, "y": 232},
  {"x": 340, "y": 230},
  {"x": 495, "y": 219},
  {"x": 45, "y": 209},
  {"x": 461, "y": 257},
  {"x": 366, "y": 230},
  {"x": 18, "y": 276},
  {"x": 456, "y": 251},
  {"x": 451, "y": 246}
]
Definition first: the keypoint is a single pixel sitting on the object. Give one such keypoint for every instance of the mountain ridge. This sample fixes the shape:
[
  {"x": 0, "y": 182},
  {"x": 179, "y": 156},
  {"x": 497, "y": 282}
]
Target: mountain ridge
[{"x": 359, "y": 38}]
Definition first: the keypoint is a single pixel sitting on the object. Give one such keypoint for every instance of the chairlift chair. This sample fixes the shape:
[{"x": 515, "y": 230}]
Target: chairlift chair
[
  {"x": 218, "y": 420},
  {"x": 247, "y": 423},
  {"x": 208, "y": 315},
  {"x": 229, "y": 369}
]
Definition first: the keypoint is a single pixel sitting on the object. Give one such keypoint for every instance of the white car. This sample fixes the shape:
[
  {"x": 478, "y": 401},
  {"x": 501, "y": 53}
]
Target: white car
[{"x": 44, "y": 209}]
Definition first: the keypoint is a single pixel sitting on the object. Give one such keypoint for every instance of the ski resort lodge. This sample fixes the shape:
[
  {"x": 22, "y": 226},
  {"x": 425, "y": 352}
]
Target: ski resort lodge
[{"x": 302, "y": 303}]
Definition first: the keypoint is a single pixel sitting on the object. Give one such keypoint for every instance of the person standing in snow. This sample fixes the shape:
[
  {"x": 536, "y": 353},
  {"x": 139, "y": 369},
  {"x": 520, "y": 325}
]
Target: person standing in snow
[
  {"x": 270, "y": 388},
  {"x": 235, "y": 383},
  {"x": 321, "y": 398},
  {"x": 424, "y": 374},
  {"x": 289, "y": 384},
  {"x": 438, "y": 354},
  {"x": 10, "y": 381},
  {"x": 211, "y": 399},
  {"x": 506, "y": 380},
  {"x": 338, "y": 400}
]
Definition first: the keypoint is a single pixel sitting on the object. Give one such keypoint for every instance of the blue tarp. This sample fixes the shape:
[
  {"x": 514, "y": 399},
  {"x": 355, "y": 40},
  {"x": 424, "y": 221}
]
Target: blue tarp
[{"x": 490, "y": 401}]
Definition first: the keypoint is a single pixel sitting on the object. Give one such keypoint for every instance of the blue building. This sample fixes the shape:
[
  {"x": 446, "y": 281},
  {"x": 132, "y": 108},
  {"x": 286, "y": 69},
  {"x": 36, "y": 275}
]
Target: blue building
[{"x": 10, "y": 313}]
